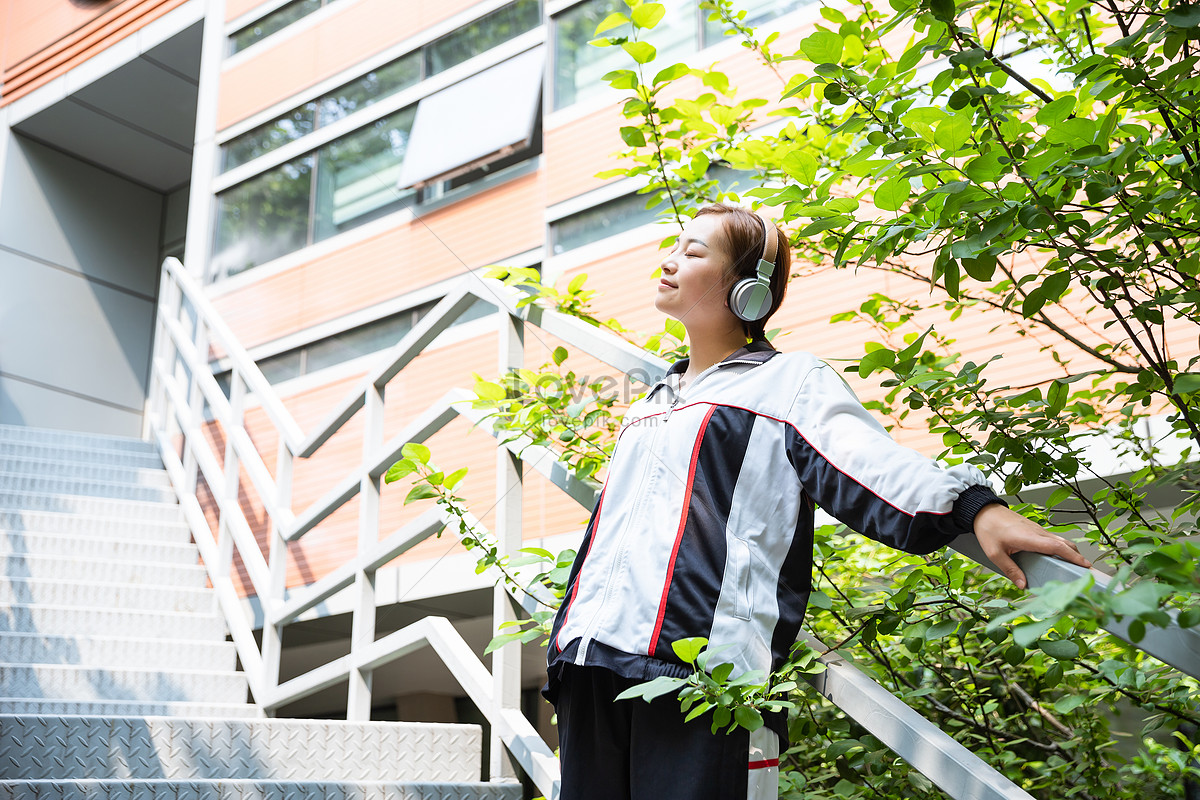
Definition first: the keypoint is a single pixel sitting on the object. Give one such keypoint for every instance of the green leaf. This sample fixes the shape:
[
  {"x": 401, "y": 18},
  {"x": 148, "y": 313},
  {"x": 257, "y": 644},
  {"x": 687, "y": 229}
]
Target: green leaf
[
  {"x": 748, "y": 718},
  {"x": 1187, "y": 382},
  {"x": 611, "y": 21},
  {"x": 1189, "y": 617},
  {"x": 941, "y": 629},
  {"x": 922, "y": 120},
  {"x": 801, "y": 165},
  {"x": 689, "y": 649},
  {"x": 416, "y": 451},
  {"x": 621, "y": 79},
  {"x": 1065, "y": 705},
  {"x": 490, "y": 391},
  {"x": 1141, "y": 598},
  {"x": 647, "y": 15},
  {"x": 1075, "y": 132},
  {"x": 953, "y": 133},
  {"x": 633, "y": 136},
  {"x": 642, "y": 52},
  {"x": 943, "y": 9},
  {"x": 893, "y": 194},
  {"x": 1029, "y": 632},
  {"x": 1055, "y": 112},
  {"x": 1184, "y": 15},
  {"x": 1062, "y": 649},
  {"x": 822, "y": 47},
  {"x": 560, "y": 354},
  {"x": 398, "y": 470},
  {"x": 661, "y": 685},
  {"x": 422, "y": 491},
  {"x": 671, "y": 73},
  {"x": 451, "y": 480}
]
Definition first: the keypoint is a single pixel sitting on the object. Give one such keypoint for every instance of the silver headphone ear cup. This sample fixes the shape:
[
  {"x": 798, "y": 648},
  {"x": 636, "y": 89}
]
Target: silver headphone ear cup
[{"x": 750, "y": 299}]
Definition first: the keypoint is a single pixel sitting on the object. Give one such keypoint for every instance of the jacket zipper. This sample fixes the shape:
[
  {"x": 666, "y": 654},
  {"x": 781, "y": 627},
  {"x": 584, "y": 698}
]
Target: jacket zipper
[{"x": 619, "y": 554}]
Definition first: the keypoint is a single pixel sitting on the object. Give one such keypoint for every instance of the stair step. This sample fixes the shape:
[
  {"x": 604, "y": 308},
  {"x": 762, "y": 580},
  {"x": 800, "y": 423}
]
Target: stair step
[
  {"x": 86, "y": 455},
  {"x": 80, "y": 488},
  {"x": 172, "y": 529},
  {"x": 72, "y": 682},
  {"x": 25, "y": 433},
  {"x": 45, "y": 707},
  {"x": 174, "y": 547},
  {"x": 81, "y": 568},
  {"x": 259, "y": 790},
  {"x": 23, "y": 618},
  {"x": 141, "y": 510},
  {"x": 132, "y": 476},
  {"x": 116, "y": 652},
  {"x": 292, "y": 750},
  {"x": 92, "y": 595}
]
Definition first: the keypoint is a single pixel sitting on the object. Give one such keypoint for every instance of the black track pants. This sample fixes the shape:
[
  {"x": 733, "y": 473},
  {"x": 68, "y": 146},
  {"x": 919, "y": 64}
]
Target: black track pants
[{"x": 634, "y": 750}]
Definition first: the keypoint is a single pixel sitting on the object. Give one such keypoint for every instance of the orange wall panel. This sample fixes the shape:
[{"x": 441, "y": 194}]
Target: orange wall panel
[
  {"x": 235, "y": 8},
  {"x": 44, "y": 40},
  {"x": 476, "y": 231},
  {"x": 354, "y": 32}
]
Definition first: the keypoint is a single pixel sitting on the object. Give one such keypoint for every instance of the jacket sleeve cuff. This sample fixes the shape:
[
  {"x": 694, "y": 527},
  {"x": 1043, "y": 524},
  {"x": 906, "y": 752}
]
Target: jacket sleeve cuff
[{"x": 970, "y": 502}]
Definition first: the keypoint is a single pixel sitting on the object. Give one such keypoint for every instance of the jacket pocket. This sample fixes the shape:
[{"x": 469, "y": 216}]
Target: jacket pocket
[{"x": 739, "y": 557}]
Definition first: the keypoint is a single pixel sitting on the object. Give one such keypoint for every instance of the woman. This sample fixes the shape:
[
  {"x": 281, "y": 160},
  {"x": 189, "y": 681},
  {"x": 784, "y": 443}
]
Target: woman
[{"x": 705, "y": 523}]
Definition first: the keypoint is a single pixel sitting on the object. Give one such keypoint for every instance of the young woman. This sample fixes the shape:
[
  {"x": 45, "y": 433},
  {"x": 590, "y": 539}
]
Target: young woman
[{"x": 705, "y": 523}]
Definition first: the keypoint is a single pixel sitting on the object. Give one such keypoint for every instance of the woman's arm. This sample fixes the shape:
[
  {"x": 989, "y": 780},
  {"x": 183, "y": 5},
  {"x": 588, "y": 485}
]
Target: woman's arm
[{"x": 1002, "y": 532}]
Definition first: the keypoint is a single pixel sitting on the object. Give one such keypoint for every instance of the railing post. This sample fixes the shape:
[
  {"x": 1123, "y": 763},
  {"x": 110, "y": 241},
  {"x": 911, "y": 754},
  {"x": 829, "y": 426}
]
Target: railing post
[
  {"x": 362, "y": 630},
  {"x": 195, "y": 411},
  {"x": 272, "y": 634},
  {"x": 233, "y": 474},
  {"x": 162, "y": 354},
  {"x": 506, "y": 661}
]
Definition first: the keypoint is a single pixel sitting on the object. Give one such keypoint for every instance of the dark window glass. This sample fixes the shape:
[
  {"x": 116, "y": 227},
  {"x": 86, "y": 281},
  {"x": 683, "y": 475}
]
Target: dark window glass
[
  {"x": 599, "y": 222},
  {"x": 253, "y": 143},
  {"x": 263, "y": 218},
  {"x": 283, "y": 367},
  {"x": 370, "y": 338},
  {"x": 579, "y": 66},
  {"x": 359, "y": 173},
  {"x": 371, "y": 88},
  {"x": 483, "y": 34},
  {"x": 274, "y": 22}
]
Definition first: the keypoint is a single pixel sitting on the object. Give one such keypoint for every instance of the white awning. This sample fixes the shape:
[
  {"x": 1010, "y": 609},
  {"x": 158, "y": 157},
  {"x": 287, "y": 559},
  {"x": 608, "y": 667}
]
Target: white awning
[{"x": 488, "y": 114}]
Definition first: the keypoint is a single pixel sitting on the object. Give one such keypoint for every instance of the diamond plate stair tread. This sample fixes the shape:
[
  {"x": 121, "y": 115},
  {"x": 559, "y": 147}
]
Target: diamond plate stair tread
[
  {"x": 17, "y": 521},
  {"x": 78, "y": 568},
  {"x": 85, "y": 455},
  {"x": 64, "y": 748},
  {"x": 69, "y": 470},
  {"x": 76, "y": 682},
  {"x": 81, "y": 487},
  {"x": 171, "y": 547},
  {"x": 23, "y": 618},
  {"x": 112, "y": 651},
  {"x": 26, "y": 433},
  {"x": 257, "y": 790},
  {"x": 49, "y": 707},
  {"x": 143, "y": 510},
  {"x": 94, "y": 595}
]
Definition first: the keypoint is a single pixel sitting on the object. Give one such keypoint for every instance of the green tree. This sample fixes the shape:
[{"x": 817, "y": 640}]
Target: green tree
[{"x": 1036, "y": 158}]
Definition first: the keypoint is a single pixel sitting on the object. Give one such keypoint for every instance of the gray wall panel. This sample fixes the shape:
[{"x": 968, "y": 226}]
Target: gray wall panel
[
  {"x": 59, "y": 209},
  {"x": 61, "y": 329},
  {"x": 25, "y": 404}
]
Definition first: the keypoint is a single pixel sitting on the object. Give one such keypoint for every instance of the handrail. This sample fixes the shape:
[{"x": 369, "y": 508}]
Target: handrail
[{"x": 182, "y": 383}]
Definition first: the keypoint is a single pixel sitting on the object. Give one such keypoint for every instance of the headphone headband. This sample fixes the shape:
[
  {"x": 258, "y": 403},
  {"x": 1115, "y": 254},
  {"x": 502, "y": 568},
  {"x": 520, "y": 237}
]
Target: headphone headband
[{"x": 770, "y": 243}]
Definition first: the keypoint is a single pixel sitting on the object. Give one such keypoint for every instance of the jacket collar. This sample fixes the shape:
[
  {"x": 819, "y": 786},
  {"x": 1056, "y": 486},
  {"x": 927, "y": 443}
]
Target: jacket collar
[{"x": 757, "y": 352}]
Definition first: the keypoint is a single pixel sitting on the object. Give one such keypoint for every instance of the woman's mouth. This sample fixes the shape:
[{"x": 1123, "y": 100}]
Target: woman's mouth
[{"x": 666, "y": 283}]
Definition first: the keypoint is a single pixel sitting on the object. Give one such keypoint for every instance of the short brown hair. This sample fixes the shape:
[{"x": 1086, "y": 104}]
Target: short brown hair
[{"x": 744, "y": 240}]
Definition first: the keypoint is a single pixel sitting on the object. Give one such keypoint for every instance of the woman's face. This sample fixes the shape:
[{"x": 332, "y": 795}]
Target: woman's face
[{"x": 695, "y": 276}]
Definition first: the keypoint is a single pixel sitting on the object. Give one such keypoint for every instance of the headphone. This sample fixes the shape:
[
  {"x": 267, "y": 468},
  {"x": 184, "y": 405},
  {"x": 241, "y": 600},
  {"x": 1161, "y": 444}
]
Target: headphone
[{"x": 750, "y": 298}]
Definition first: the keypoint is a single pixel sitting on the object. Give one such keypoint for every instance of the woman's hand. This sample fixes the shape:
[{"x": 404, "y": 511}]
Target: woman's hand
[{"x": 1002, "y": 532}]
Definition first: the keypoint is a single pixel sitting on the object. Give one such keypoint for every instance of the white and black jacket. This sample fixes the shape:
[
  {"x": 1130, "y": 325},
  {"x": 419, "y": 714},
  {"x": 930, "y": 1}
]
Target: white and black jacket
[{"x": 705, "y": 523}]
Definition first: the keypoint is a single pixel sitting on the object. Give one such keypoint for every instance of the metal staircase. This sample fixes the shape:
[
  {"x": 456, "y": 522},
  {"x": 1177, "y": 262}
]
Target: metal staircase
[{"x": 116, "y": 679}]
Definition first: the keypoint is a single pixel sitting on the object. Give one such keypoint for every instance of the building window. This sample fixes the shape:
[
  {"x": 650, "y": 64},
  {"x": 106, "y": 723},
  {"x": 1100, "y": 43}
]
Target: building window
[
  {"x": 273, "y": 22},
  {"x": 358, "y": 175},
  {"x": 482, "y": 35},
  {"x": 579, "y": 66},
  {"x": 362, "y": 340},
  {"x": 263, "y": 218},
  {"x": 408, "y": 70}
]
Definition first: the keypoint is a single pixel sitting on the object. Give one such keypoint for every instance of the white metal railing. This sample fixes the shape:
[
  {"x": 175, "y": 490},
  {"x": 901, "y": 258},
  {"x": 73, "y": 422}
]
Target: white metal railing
[{"x": 182, "y": 384}]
